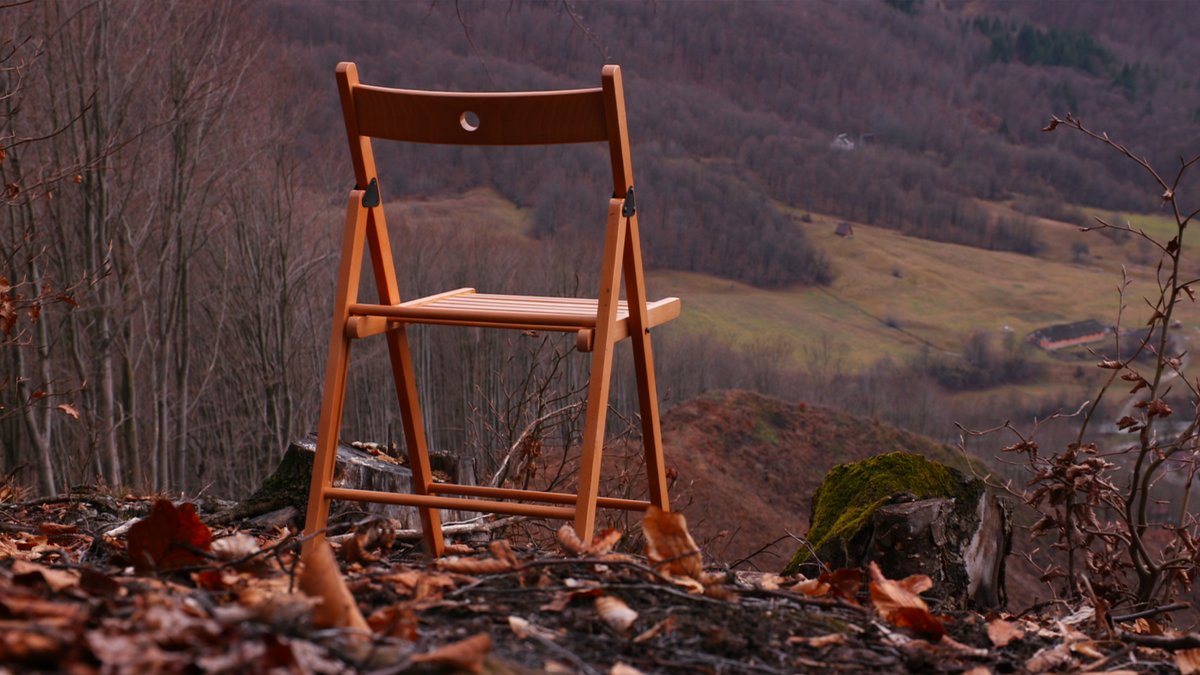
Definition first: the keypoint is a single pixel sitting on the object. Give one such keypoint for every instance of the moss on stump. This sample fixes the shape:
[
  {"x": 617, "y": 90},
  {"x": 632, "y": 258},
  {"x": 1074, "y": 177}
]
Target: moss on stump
[{"x": 851, "y": 494}]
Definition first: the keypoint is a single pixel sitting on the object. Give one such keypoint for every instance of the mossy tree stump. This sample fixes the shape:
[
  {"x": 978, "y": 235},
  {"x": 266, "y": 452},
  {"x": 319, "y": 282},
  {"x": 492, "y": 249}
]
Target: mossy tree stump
[{"x": 911, "y": 516}]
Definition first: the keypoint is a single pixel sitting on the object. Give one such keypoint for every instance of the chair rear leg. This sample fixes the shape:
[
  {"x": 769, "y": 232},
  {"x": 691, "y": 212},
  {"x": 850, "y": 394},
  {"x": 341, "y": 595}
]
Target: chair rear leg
[{"x": 643, "y": 362}]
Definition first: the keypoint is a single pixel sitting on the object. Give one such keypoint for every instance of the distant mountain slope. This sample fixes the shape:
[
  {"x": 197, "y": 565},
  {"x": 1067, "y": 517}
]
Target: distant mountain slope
[{"x": 749, "y": 464}]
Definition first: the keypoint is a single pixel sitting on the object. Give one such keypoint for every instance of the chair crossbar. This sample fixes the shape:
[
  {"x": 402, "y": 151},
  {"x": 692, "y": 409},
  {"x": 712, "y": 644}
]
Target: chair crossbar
[
  {"x": 535, "y": 496},
  {"x": 457, "y": 503}
]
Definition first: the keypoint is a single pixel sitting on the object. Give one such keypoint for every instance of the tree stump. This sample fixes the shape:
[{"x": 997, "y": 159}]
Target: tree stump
[
  {"x": 286, "y": 490},
  {"x": 911, "y": 516}
]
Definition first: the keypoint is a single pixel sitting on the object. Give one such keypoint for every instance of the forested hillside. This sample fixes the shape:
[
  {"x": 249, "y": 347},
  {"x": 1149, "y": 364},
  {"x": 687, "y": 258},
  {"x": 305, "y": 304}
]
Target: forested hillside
[
  {"x": 736, "y": 104},
  {"x": 171, "y": 197}
]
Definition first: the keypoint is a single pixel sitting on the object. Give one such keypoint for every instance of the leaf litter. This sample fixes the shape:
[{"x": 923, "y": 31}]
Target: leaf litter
[{"x": 171, "y": 595}]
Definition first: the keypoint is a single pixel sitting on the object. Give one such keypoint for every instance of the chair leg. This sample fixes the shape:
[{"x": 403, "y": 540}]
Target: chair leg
[
  {"x": 593, "y": 440},
  {"x": 643, "y": 363},
  {"x": 414, "y": 436},
  {"x": 330, "y": 423}
]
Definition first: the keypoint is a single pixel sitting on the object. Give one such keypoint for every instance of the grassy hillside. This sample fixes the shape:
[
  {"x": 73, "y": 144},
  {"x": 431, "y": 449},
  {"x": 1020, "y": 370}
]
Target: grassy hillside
[{"x": 895, "y": 294}]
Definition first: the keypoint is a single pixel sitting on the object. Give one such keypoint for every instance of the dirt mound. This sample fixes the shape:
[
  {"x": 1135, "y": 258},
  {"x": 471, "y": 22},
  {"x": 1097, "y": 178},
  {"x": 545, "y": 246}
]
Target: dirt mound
[{"x": 749, "y": 464}]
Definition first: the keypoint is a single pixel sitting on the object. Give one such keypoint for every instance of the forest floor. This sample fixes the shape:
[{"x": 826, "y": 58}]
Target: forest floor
[{"x": 93, "y": 583}]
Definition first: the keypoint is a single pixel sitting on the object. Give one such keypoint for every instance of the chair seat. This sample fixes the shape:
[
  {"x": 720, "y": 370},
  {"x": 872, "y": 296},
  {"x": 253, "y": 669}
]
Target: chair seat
[{"x": 465, "y": 307}]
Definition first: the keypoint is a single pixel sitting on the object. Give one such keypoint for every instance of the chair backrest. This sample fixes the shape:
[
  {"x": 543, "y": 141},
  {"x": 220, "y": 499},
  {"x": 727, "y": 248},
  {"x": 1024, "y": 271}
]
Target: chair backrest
[{"x": 483, "y": 119}]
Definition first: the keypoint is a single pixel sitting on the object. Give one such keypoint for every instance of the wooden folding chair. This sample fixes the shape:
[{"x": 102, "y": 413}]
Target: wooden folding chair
[{"x": 489, "y": 119}]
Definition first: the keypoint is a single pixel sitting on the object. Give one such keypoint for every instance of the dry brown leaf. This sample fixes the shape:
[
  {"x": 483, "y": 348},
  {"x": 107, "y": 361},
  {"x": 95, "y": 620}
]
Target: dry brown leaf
[
  {"x": 457, "y": 549},
  {"x": 604, "y": 541},
  {"x": 561, "y": 600},
  {"x": 1002, "y": 632},
  {"x": 668, "y": 544},
  {"x": 1088, "y": 649},
  {"x": 399, "y": 621},
  {"x": 503, "y": 551},
  {"x": 321, "y": 578},
  {"x": 473, "y": 565},
  {"x": 26, "y": 646},
  {"x": 169, "y": 538},
  {"x": 819, "y": 641},
  {"x": 650, "y": 633},
  {"x": 978, "y": 670},
  {"x": 843, "y": 583},
  {"x": 1049, "y": 659},
  {"x": 235, "y": 547},
  {"x": 524, "y": 630},
  {"x": 616, "y": 613},
  {"x": 465, "y": 654},
  {"x": 949, "y": 644},
  {"x": 370, "y": 541},
  {"x": 569, "y": 540},
  {"x": 25, "y": 571},
  {"x": 57, "y": 529},
  {"x": 1188, "y": 661},
  {"x": 623, "y": 669},
  {"x": 814, "y": 588},
  {"x": 901, "y": 607},
  {"x": 1146, "y": 627}
]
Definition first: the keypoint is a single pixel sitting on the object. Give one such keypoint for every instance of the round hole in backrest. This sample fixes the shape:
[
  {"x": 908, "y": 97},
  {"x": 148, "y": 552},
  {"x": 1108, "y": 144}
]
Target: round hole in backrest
[{"x": 469, "y": 120}]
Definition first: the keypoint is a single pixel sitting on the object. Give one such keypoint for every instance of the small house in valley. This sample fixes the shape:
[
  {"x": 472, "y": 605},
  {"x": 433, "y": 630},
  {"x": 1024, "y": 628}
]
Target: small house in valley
[{"x": 1063, "y": 335}]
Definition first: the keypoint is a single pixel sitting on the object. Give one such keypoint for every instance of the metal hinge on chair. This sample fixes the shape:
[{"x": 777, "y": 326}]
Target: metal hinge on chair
[
  {"x": 371, "y": 199},
  {"x": 630, "y": 206}
]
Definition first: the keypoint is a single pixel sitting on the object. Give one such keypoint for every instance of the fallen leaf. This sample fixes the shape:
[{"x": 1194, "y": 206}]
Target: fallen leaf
[
  {"x": 818, "y": 642},
  {"x": 949, "y": 645},
  {"x": 465, "y": 654},
  {"x": 369, "y": 541},
  {"x": 320, "y": 578},
  {"x": 561, "y": 600},
  {"x": 398, "y": 621},
  {"x": 814, "y": 588},
  {"x": 524, "y": 629},
  {"x": 170, "y": 538},
  {"x": 623, "y": 669},
  {"x": 844, "y": 583},
  {"x": 616, "y": 613},
  {"x": 502, "y": 550},
  {"x": 650, "y": 633},
  {"x": 29, "y": 647},
  {"x": 604, "y": 541},
  {"x": 473, "y": 565},
  {"x": 26, "y": 573},
  {"x": 901, "y": 607},
  {"x": 569, "y": 540},
  {"x": 1049, "y": 659},
  {"x": 57, "y": 529},
  {"x": 1188, "y": 661},
  {"x": 1002, "y": 632},
  {"x": 668, "y": 544},
  {"x": 235, "y": 547},
  {"x": 1088, "y": 649}
]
